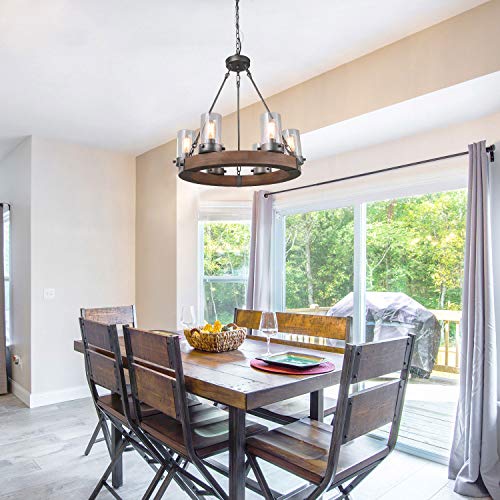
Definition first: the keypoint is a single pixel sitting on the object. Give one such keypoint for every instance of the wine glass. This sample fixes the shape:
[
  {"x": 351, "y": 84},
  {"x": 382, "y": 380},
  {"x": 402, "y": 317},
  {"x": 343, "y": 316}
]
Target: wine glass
[
  {"x": 188, "y": 318},
  {"x": 268, "y": 326}
]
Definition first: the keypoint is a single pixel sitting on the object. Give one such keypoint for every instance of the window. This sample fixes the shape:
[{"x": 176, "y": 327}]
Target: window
[
  {"x": 6, "y": 254},
  {"x": 226, "y": 249}
]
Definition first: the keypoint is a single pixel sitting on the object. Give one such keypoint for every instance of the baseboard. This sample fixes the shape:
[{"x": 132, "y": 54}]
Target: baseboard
[
  {"x": 20, "y": 392},
  {"x": 60, "y": 396}
]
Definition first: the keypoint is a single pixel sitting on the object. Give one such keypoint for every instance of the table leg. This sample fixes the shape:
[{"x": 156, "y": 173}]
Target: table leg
[
  {"x": 317, "y": 405},
  {"x": 236, "y": 453},
  {"x": 117, "y": 475}
]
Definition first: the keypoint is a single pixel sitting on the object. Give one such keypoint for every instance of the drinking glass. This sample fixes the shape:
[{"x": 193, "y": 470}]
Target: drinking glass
[
  {"x": 188, "y": 318},
  {"x": 268, "y": 326}
]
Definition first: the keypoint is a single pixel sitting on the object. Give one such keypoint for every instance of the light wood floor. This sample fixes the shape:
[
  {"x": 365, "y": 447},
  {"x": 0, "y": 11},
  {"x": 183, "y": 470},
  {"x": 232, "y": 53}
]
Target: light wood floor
[{"x": 41, "y": 457}]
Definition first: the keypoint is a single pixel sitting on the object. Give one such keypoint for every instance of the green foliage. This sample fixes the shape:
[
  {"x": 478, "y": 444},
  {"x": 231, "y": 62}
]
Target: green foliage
[
  {"x": 414, "y": 245},
  {"x": 326, "y": 240},
  {"x": 226, "y": 248},
  {"x": 226, "y": 253}
]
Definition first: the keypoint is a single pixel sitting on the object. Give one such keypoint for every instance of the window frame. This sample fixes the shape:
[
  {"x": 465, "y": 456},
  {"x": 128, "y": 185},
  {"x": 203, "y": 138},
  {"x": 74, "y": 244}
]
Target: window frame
[{"x": 6, "y": 215}]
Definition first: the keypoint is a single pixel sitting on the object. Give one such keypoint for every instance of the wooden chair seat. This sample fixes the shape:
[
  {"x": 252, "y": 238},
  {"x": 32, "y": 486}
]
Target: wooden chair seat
[
  {"x": 210, "y": 430},
  {"x": 294, "y": 409},
  {"x": 303, "y": 448}
]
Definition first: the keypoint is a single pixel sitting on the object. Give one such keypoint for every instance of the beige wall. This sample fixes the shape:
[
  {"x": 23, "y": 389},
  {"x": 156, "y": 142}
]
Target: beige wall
[
  {"x": 156, "y": 236},
  {"x": 454, "y": 51},
  {"x": 83, "y": 246},
  {"x": 15, "y": 184}
]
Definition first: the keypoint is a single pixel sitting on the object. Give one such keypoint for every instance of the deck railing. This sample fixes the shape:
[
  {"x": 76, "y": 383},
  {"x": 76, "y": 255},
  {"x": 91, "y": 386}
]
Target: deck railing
[{"x": 449, "y": 354}]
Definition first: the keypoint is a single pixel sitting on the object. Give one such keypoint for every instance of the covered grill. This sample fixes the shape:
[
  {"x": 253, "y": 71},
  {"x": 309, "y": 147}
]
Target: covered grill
[{"x": 390, "y": 314}]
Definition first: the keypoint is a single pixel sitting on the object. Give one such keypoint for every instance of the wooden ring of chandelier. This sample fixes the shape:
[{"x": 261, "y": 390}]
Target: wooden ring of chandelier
[{"x": 194, "y": 168}]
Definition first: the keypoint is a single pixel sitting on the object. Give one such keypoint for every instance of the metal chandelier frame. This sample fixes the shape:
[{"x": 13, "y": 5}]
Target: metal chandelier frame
[{"x": 277, "y": 164}]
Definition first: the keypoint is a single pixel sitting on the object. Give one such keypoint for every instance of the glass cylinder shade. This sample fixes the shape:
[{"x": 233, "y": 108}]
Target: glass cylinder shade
[
  {"x": 185, "y": 140},
  {"x": 210, "y": 132},
  {"x": 292, "y": 138},
  {"x": 270, "y": 129}
]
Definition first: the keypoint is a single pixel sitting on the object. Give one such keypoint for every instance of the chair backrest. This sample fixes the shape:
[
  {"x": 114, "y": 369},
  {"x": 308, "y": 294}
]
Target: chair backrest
[
  {"x": 155, "y": 368},
  {"x": 361, "y": 411},
  {"x": 119, "y": 315},
  {"x": 311, "y": 325},
  {"x": 102, "y": 358}
]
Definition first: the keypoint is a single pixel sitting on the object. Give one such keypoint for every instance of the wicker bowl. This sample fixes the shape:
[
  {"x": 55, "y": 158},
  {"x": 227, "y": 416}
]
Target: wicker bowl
[{"x": 215, "y": 342}]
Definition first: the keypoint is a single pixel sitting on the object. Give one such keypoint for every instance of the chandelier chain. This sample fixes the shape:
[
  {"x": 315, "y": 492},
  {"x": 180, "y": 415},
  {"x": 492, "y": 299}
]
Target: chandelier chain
[
  {"x": 238, "y": 108},
  {"x": 237, "y": 23}
]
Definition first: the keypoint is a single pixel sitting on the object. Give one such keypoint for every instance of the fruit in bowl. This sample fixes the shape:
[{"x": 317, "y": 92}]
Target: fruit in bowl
[
  {"x": 216, "y": 337},
  {"x": 217, "y": 327}
]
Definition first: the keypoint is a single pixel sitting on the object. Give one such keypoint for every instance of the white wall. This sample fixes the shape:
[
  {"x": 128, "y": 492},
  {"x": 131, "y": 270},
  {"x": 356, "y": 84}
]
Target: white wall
[
  {"x": 15, "y": 184},
  {"x": 83, "y": 246}
]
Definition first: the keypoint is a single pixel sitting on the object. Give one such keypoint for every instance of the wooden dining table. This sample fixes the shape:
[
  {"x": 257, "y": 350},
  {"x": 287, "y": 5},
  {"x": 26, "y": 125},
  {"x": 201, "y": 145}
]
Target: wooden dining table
[{"x": 229, "y": 379}]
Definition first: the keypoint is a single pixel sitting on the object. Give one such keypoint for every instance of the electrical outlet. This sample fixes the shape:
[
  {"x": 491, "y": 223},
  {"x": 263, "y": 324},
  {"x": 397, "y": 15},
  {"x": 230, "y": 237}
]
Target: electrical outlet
[
  {"x": 49, "y": 293},
  {"x": 16, "y": 359}
]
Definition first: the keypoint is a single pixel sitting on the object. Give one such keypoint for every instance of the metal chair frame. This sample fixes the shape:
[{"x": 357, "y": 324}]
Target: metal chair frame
[
  {"x": 210, "y": 487},
  {"x": 102, "y": 425},
  {"x": 130, "y": 437},
  {"x": 349, "y": 377}
]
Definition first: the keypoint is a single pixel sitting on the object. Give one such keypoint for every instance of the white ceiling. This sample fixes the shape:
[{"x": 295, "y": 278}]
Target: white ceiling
[{"x": 125, "y": 75}]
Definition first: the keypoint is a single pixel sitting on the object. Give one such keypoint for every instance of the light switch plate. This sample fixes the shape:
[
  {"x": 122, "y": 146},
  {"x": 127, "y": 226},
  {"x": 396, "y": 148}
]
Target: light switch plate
[{"x": 49, "y": 293}]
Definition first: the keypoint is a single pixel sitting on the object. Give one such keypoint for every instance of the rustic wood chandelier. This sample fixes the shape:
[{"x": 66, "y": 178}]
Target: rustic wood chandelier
[{"x": 202, "y": 159}]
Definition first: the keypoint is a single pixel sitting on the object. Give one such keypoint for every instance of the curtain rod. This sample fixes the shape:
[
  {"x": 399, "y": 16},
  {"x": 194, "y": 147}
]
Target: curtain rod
[{"x": 489, "y": 149}]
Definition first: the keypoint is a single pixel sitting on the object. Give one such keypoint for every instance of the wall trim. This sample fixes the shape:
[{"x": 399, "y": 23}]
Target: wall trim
[
  {"x": 60, "y": 396},
  {"x": 20, "y": 392}
]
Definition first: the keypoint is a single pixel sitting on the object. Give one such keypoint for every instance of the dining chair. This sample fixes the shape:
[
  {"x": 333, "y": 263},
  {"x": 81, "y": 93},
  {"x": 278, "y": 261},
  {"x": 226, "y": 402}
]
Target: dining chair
[
  {"x": 329, "y": 456},
  {"x": 324, "y": 333},
  {"x": 104, "y": 370},
  {"x": 193, "y": 432},
  {"x": 117, "y": 315}
]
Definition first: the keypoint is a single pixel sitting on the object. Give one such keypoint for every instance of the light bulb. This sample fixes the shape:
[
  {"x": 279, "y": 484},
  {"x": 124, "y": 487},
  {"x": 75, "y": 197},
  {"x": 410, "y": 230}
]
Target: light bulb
[
  {"x": 271, "y": 130},
  {"x": 291, "y": 143},
  {"x": 186, "y": 144},
  {"x": 211, "y": 129}
]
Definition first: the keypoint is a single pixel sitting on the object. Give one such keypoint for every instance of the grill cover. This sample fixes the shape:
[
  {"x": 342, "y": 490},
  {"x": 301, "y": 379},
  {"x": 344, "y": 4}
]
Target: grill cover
[{"x": 389, "y": 315}]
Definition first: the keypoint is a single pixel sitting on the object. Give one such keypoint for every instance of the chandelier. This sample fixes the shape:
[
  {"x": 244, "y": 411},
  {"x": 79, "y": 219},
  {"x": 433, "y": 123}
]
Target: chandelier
[{"x": 202, "y": 158}]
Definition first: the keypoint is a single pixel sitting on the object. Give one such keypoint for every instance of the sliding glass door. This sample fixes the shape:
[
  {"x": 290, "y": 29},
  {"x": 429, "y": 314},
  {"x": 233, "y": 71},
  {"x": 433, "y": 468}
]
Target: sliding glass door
[
  {"x": 396, "y": 267},
  {"x": 415, "y": 253}
]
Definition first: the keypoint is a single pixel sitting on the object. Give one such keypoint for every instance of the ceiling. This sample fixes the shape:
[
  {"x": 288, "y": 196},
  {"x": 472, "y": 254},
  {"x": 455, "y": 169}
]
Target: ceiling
[{"x": 125, "y": 75}]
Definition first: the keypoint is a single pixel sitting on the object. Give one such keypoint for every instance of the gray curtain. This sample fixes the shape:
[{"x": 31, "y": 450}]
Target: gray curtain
[
  {"x": 259, "y": 277},
  {"x": 3, "y": 359},
  {"x": 474, "y": 461}
]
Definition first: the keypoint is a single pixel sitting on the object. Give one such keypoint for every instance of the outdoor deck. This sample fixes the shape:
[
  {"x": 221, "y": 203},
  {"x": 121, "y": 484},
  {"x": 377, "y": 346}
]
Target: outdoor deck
[{"x": 429, "y": 416}]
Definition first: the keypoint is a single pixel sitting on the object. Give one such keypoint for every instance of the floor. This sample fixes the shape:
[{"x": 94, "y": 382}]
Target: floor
[{"x": 41, "y": 457}]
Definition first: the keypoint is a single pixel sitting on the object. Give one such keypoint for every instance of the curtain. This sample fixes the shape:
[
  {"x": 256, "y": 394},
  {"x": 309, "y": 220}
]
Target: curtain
[
  {"x": 474, "y": 461},
  {"x": 259, "y": 277},
  {"x": 3, "y": 358}
]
